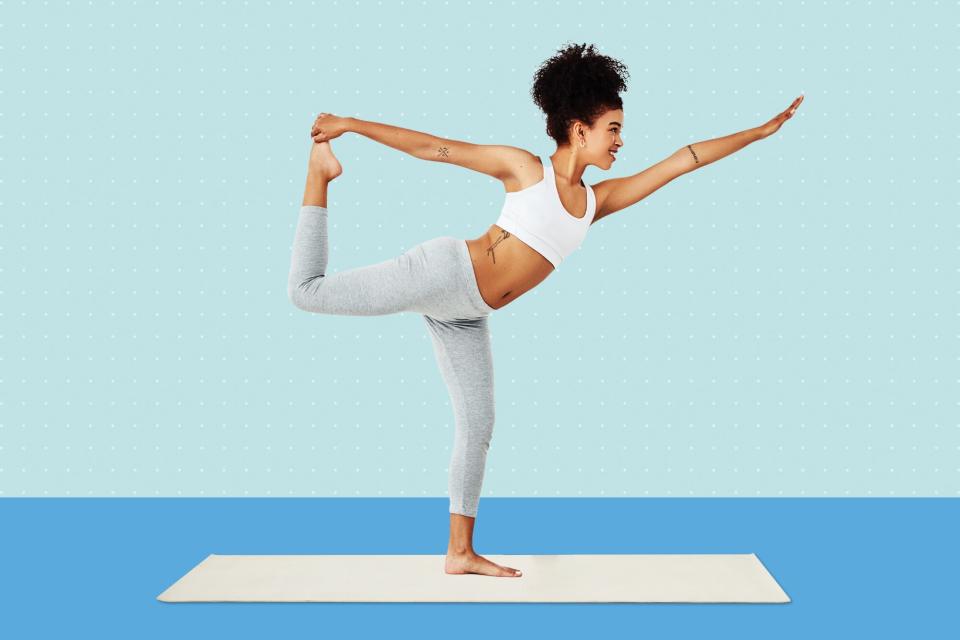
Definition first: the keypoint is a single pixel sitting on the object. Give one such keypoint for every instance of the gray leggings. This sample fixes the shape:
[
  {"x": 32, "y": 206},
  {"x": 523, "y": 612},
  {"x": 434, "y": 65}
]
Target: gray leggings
[{"x": 436, "y": 279}]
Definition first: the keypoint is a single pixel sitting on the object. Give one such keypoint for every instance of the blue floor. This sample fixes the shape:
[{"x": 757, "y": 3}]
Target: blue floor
[{"x": 854, "y": 568}]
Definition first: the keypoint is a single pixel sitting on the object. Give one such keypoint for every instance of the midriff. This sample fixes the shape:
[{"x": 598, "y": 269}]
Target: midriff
[{"x": 505, "y": 267}]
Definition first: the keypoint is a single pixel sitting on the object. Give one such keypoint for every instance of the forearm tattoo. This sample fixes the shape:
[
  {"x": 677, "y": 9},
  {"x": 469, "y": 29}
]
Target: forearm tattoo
[
  {"x": 443, "y": 152},
  {"x": 505, "y": 235},
  {"x": 695, "y": 159}
]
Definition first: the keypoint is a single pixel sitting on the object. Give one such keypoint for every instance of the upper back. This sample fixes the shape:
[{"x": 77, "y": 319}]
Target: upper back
[{"x": 537, "y": 217}]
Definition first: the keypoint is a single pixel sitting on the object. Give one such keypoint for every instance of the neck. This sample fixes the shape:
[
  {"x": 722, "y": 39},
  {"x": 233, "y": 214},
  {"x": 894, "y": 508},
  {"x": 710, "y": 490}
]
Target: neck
[{"x": 567, "y": 166}]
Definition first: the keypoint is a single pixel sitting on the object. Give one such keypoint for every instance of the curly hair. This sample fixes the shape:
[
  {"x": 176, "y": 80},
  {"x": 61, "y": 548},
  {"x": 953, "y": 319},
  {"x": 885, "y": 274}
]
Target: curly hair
[{"x": 577, "y": 84}]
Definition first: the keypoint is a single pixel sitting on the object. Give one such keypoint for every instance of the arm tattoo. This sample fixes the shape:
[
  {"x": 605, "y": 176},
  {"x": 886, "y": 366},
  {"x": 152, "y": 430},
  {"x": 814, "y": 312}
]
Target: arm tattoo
[
  {"x": 506, "y": 234},
  {"x": 443, "y": 152},
  {"x": 695, "y": 159}
]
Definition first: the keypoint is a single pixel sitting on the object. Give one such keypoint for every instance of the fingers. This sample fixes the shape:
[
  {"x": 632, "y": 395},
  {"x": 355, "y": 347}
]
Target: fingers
[
  {"x": 316, "y": 128},
  {"x": 793, "y": 106}
]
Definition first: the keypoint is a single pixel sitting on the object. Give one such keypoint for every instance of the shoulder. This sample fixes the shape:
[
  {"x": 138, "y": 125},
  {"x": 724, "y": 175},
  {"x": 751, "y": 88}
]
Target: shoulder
[
  {"x": 499, "y": 161},
  {"x": 524, "y": 169}
]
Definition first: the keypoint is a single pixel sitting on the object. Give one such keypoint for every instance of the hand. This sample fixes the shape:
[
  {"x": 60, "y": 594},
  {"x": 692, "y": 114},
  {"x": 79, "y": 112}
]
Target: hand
[
  {"x": 773, "y": 125},
  {"x": 327, "y": 127}
]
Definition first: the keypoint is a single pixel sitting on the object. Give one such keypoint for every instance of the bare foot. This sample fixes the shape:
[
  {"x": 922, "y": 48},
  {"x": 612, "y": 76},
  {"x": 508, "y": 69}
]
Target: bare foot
[
  {"x": 323, "y": 161},
  {"x": 474, "y": 563}
]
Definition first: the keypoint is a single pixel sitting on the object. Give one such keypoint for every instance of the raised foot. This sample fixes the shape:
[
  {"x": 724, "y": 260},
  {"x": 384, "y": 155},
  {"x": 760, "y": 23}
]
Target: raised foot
[
  {"x": 323, "y": 162},
  {"x": 460, "y": 563}
]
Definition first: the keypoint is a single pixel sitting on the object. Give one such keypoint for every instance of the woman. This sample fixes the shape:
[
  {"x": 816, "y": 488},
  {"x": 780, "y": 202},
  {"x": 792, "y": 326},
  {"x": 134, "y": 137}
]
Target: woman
[{"x": 456, "y": 284}]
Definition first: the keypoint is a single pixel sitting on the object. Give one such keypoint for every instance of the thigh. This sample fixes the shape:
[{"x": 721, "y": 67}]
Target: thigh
[
  {"x": 465, "y": 356},
  {"x": 392, "y": 286}
]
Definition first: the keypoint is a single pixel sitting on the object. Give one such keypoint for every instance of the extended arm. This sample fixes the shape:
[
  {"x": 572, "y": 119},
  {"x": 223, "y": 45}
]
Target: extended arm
[
  {"x": 703, "y": 153},
  {"x": 498, "y": 161},
  {"x": 416, "y": 143},
  {"x": 619, "y": 193},
  {"x": 700, "y": 154}
]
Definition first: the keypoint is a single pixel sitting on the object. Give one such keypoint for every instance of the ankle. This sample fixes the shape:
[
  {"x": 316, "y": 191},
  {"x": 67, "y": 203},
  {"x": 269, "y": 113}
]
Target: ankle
[
  {"x": 315, "y": 192},
  {"x": 318, "y": 176},
  {"x": 460, "y": 550}
]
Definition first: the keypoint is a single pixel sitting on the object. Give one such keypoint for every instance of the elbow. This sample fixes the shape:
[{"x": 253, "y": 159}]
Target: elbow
[
  {"x": 300, "y": 297},
  {"x": 434, "y": 149}
]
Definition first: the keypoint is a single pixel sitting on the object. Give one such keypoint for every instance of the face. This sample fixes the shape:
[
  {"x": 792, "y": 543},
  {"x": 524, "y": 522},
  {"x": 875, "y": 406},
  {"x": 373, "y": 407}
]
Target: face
[{"x": 601, "y": 140}]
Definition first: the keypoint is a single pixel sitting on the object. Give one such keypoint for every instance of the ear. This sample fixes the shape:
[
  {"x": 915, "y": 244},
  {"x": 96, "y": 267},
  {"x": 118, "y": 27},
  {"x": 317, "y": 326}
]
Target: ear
[{"x": 580, "y": 131}]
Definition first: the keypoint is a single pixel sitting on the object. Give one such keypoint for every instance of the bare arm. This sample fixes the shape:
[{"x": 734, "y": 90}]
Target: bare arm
[
  {"x": 415, "y": 143},
  {"x": 498, "y": 161},
  {"x": 615, "y": 194},
  {"x": 703, "y": 153},
  {"x": 700, "y": 154},
  {"x": 619, "y": 193}
]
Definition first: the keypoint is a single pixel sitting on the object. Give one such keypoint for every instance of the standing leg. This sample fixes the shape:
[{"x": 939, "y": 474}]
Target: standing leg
[
  {"x": 462, "y": 349},
  {"x": 463, "y": 352}
]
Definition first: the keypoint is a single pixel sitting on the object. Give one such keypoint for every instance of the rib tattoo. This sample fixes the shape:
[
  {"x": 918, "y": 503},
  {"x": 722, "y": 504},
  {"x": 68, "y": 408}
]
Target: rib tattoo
[{"x": 503, "y": 236}]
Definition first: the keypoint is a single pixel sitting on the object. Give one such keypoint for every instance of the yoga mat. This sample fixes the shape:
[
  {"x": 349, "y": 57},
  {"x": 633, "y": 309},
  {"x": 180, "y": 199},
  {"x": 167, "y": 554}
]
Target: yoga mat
[{"x": 420, "y": 578}]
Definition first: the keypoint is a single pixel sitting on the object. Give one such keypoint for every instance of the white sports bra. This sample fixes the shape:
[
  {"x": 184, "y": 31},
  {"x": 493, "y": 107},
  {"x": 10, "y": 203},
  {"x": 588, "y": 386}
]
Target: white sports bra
[{"x": 537, "y": 217}]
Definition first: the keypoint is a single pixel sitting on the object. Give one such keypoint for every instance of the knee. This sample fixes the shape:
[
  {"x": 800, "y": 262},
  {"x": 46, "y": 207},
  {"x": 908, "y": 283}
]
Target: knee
[
  {"x": 488, "y": 421},
  {"x": 295, "y": 295},
  {"x": 481, "y": 430},
  {"x": 303, "y": 295}
]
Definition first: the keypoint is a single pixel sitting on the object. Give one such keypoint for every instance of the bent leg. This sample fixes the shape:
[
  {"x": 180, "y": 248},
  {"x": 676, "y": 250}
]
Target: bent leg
[
  {"x": 463, "y": 352},
  {"x": 387, "y": 287}
]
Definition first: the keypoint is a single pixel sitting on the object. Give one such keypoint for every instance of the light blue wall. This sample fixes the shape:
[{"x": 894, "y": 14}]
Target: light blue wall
[{"x": 780, "y": 323}]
